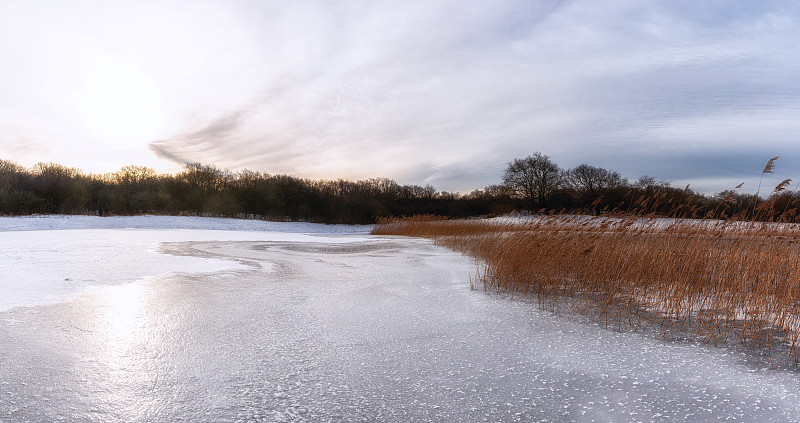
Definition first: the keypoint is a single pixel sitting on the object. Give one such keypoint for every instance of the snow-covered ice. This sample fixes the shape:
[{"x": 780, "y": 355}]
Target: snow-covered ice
[
  {"x": 45, "y": 222},
  {"x": 324, "y": 323},
  {"x": 41, "y": 266}
]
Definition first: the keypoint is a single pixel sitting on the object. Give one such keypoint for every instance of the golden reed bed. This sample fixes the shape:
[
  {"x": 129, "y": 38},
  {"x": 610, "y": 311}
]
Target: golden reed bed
[{"x": 718, "y": 281}]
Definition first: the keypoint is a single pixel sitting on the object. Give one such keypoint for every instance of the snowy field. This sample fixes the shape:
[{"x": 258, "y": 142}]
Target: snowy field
[{"x": 163, "y": 319}]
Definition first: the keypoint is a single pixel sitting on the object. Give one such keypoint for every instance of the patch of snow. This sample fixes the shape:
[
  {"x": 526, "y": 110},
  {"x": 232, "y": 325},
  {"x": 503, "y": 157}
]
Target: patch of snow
[
  {"x": 49, "y": 222},
  {"x": 48, "y": 259}
]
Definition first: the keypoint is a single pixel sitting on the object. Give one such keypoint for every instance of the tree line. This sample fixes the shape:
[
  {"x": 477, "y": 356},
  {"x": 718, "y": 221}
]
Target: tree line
[
  {"x": 534, "y": 183},
  {"x": 206, "y": 190},
  {"x": 544, "y": 186}
]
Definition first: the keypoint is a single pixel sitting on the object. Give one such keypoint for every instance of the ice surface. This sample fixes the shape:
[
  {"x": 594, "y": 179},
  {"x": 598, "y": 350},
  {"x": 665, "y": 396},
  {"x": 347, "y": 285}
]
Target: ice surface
[
  {"x": 44, "y": 222},
  {"x": 337, "y": 328},
  {"x": 41, "y": 266}
]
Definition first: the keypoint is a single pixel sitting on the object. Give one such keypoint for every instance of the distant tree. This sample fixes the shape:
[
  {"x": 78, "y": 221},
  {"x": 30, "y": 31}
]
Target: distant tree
[
  {"x": 7, "y": 166},
  {"x": 733, "y": 202},
  {"x": 14, "y": 199},
  {"x": 533, "y": 178},
  {"x": 205, "y": 177},
  {"x": 383, "y": 187},
  {"x": 448, "y": 195},
  {"x": 591, "y": 182},
  {"x": 134, "y": 175},
  {"x": 10, "y": 174},
  {"x": 416, "y": 192},
  {"x": 491, "y": 193},
  {"x": 62, "y": 189},
  {"x": 650, "y": 183}
]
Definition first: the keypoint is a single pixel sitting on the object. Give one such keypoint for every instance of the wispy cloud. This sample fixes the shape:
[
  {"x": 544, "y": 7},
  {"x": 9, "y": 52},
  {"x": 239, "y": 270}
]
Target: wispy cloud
[
  {"x": 446, "y": 92},
  {"x": 20, "y": 148},
  {"x": 197, "y": 146}
]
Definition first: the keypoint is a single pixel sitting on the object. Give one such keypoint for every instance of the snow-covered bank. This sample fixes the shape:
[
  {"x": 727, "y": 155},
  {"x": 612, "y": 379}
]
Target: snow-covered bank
[
  {"x": 46, "y": 222},
  {"x": 47, "y": 259}
]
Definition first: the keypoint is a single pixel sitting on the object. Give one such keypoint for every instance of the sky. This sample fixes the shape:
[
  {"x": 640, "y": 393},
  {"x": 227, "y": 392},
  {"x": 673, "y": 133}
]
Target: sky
[{"x": 433, "y": 92}]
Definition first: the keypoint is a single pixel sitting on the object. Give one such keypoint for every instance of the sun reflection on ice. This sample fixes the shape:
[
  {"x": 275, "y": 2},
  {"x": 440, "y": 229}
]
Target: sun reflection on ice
[
  {"x": 126, "y": 366},
  {"x": 123, "y": 319}
]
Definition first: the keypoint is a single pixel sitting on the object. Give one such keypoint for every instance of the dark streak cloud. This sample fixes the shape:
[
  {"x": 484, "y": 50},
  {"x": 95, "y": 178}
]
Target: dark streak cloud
[
  {"x": 447, "y": 92},
  {"x": 198, "y": 145}
]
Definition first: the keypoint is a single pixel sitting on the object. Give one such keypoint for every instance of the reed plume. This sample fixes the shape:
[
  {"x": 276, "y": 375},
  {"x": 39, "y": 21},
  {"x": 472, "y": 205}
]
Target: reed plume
[{"x": 768, "y": 168}]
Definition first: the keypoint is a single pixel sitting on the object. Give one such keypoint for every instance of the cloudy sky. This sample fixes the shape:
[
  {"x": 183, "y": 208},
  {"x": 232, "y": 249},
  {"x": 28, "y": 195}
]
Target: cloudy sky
[{"x": 429, "y": 91}]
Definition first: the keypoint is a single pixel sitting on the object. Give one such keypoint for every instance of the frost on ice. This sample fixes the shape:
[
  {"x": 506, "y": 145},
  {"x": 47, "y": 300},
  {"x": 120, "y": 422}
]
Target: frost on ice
[{"x": 188, "y": 319}]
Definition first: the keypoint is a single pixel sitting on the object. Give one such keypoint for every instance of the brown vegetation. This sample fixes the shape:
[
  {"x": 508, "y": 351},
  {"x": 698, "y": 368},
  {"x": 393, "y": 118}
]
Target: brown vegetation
[{"x": 717, "y": 280}]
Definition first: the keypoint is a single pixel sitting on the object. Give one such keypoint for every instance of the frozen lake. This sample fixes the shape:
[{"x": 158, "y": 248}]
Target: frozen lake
[{"x": 185, "y": 319}]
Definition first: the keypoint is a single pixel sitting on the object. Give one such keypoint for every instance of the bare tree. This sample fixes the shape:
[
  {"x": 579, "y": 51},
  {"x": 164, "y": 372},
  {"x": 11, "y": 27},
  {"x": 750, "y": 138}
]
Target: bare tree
[
  {"x": 591, "y": 181},
  {"x": 533, "y": 178},
  {"x": 205, "y": 177},
  {"x": 650, "y": 183},
  {"x": 134, "y": 175},
  {"x": 10, "y": 174}
]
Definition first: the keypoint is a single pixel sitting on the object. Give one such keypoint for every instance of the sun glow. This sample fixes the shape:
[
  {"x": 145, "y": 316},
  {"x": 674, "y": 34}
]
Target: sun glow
[
  {"x": 119, "y": 104},
  {"x": 122, "y": 317}
]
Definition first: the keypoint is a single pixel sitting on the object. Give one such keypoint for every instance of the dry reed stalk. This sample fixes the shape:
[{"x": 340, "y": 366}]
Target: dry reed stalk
[{"x": 715, "y": 280}]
